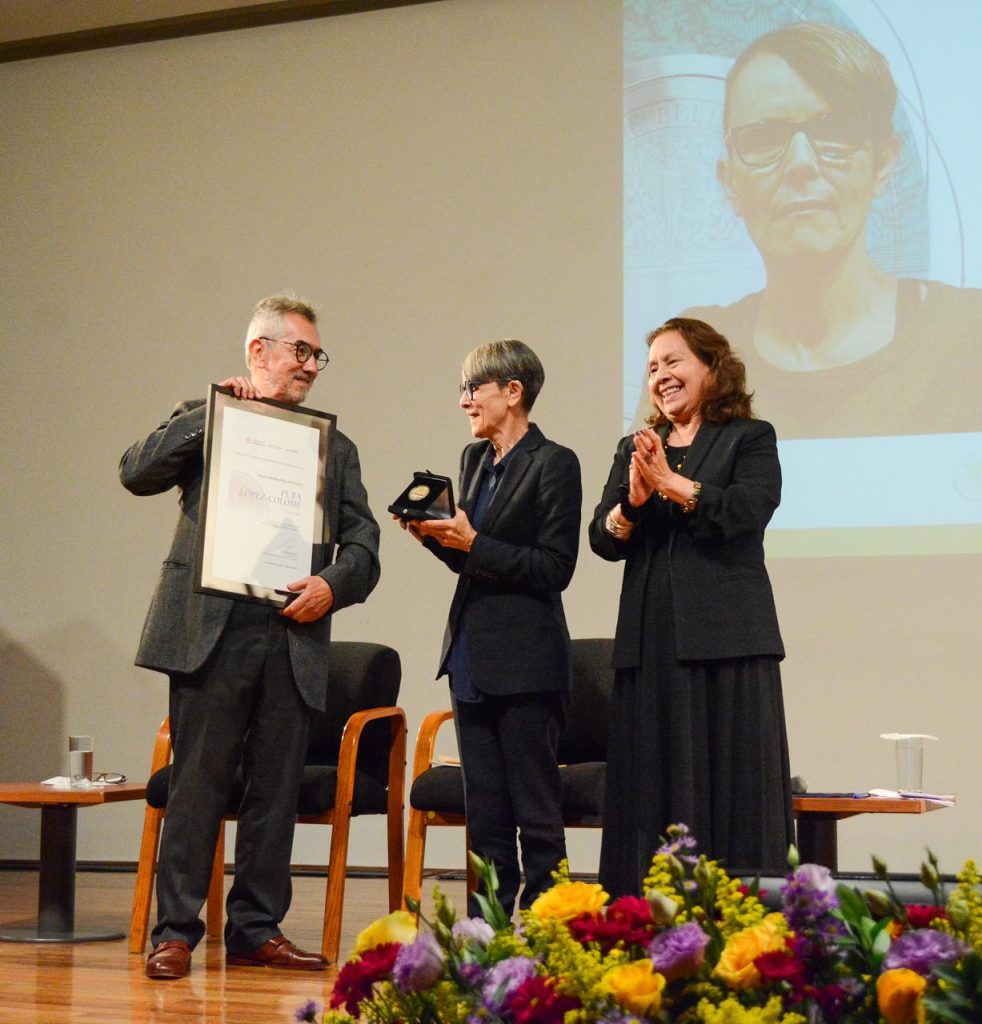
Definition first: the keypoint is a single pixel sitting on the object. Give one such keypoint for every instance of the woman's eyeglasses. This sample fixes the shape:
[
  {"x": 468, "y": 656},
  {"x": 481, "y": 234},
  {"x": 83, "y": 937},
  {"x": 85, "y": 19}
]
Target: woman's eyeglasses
[
  {"x": 109, "y": 778},
  {"x": 470, "y": 386}
]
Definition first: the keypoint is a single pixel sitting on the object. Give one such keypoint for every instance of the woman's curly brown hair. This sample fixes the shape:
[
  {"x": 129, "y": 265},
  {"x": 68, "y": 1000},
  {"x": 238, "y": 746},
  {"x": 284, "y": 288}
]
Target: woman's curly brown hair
[{"x": 727, "y": 397}]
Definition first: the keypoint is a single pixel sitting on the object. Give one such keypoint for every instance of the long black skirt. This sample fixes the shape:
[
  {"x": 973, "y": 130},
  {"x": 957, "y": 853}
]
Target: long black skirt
[{"x": 702, "y": 744}]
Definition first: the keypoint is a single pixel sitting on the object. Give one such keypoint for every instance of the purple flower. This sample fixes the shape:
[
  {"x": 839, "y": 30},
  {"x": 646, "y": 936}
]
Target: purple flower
[
  {"x": 503, "y": 979},
  {"x": 307, "y": 1012},
  {"x": 472, "y": 974},
  {"x": 473, "y": 931},
  {"x": 419, "y": 964},
  {"x": 921, "y": 949},
  {"x": 819, "y": 880},
  {"x": 680, "y": 844},
  {"x": 808, "y": 899},
  {"x": 678, "y": 952}
]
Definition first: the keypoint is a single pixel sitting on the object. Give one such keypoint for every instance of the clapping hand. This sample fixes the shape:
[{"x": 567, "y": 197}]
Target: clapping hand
[{"x": 649, "y": 470}]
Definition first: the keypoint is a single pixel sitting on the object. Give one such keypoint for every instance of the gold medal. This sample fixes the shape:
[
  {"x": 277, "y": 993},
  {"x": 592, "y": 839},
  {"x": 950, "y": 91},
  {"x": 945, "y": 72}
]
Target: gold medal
[{"x": 419, "y": 492}]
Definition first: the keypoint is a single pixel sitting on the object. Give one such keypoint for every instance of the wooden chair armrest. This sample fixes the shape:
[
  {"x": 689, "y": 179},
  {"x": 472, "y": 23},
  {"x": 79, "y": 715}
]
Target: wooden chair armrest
[
  {"x": 426, "y": 740},
  {"x": 161, "y": 748},
  {"x": 350, "y": 738},
  {"x": 357, "y": 722}
]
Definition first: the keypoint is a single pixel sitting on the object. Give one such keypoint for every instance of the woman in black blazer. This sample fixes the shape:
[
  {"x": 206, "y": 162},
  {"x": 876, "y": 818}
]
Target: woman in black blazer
[
  {"x": 697, "y": 730},
  {"x": 513, "y": 543}
]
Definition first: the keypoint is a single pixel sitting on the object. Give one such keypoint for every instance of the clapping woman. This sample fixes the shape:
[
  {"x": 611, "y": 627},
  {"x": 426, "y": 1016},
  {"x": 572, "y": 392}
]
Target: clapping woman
[{"x": 697, "y": 730}]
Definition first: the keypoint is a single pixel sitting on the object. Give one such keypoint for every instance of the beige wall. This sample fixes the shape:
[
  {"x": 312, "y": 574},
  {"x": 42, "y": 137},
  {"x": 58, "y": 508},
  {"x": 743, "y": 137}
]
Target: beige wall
[{"x": 431, "y": 177}]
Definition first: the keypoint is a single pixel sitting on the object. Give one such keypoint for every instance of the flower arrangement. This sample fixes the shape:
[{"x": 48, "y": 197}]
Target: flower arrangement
[{"x": 699, "y": 948}]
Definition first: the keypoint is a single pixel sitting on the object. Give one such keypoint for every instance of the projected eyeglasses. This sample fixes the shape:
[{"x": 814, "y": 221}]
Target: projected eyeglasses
[{"x": 833, "y": 136}]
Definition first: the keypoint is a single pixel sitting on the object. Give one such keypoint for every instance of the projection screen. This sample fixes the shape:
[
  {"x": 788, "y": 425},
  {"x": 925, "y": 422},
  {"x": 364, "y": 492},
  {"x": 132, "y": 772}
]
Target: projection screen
[{"x": 818, "y": 208}]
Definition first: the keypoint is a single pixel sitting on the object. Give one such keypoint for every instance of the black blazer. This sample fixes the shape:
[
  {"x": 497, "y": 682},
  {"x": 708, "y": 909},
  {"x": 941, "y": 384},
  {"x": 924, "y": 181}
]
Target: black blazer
[
  {"x": 724, "y": 605},
  {"x": 508, "y": 591}
]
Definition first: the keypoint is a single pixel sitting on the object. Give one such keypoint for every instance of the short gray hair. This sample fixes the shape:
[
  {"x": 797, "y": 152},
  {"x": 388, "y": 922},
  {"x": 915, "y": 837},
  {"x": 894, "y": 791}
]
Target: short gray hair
[
  {"x": 507, "y": 360},
  {"x": 267, "y": 317}
]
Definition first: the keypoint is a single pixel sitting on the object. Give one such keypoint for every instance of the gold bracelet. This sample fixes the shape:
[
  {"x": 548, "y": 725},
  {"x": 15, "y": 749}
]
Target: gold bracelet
[
  {"x": 693, "y": 500},
  {"x": 619, "y": 531}
]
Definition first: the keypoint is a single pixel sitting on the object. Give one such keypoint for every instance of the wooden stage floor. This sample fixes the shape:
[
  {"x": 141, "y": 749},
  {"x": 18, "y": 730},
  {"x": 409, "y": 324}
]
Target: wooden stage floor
[{"x": 101, "y": 983}]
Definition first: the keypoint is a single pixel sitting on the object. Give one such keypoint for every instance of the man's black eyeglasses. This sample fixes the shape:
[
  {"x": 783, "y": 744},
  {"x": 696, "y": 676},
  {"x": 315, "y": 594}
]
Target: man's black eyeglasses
[
  {"x": 470, "y": 386},
  {"x": 833, "y": 136},
  {"x": 302, "y": 351}
]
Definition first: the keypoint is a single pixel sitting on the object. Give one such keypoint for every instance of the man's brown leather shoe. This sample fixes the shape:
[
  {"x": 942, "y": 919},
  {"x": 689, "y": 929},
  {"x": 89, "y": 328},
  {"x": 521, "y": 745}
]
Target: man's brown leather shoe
[
  {"x": 169, "y": 960},
  {"x": 278, "y": 952}
]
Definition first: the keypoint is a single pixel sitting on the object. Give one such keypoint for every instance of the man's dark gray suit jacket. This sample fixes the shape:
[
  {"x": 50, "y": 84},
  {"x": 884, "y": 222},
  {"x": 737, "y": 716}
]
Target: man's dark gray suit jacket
[{"x": 183, "y": 626}]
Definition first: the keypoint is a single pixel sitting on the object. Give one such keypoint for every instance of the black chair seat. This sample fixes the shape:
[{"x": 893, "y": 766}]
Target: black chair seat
[
  {"x": 316, "y": 791},
  {"x": 441, "y": 789},
  {"x": 583, "y": 791}
]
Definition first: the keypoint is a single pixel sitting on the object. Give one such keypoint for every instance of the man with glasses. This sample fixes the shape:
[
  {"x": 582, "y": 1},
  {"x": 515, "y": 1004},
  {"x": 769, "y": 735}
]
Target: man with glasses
[
  {"x": 246, "y": 680},
  {"x": 835, "y": 345}
]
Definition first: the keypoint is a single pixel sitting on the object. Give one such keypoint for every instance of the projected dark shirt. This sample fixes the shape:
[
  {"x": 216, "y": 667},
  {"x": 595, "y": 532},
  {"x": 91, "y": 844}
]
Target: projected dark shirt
[{"x": 926, "y": 381}]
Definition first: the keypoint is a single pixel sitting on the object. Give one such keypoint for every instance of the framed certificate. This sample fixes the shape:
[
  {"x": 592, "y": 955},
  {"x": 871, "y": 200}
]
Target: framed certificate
[{"x": 263, "y": 500}]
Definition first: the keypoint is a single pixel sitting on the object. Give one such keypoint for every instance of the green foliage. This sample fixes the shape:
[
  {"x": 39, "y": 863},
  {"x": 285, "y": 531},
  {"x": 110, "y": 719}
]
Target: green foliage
[
  {"x": 866, "y": 940},
  {"x": 491, "y": 909},
  {"x": 958, "y": 998}
]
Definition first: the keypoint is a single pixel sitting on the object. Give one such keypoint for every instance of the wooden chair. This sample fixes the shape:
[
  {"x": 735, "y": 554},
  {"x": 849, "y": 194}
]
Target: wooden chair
[
  {"x": 356, "y": 765},
  {"x": 436, "y": 795}
]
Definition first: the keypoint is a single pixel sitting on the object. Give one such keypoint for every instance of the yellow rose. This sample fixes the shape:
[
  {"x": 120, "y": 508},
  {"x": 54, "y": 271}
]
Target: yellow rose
[
  {"x": 898, "y": 995},
  {"x": 635, "y": 986},
  {"x": 399, "y": 926},
  {"x": 570, "y": 899},
  {"x": 736, "y": 963}
]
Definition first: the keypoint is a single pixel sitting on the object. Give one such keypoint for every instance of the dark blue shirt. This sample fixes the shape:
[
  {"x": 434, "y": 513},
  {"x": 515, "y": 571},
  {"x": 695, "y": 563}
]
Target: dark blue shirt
[{"x": 460, "y": 681}]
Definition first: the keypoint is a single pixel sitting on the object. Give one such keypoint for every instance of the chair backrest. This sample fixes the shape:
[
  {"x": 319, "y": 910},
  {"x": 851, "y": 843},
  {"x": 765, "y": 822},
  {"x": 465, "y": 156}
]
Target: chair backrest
[
  {"x": 584, "y": 736},
  {"x": 360, "y": 676}
]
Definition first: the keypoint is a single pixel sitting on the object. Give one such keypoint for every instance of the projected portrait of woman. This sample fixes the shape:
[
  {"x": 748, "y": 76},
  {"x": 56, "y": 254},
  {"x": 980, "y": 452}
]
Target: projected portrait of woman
[
  {"x": 836, "y": 346},
  {"x": 785, "y": 171}
]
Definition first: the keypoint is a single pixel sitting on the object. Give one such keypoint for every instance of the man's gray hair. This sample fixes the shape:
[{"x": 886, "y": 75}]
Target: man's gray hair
[{"x": 267, "y": 317}]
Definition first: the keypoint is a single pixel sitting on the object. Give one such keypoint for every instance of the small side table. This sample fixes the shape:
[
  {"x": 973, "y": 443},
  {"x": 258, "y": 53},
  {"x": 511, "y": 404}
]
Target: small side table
[
  {"x": 56, "y": 880},
  {"x": 817, "y": 818}
]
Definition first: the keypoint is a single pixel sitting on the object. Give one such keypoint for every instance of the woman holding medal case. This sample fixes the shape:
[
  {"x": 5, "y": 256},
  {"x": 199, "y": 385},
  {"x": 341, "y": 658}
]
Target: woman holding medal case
[{"x": 513, "y": 542}]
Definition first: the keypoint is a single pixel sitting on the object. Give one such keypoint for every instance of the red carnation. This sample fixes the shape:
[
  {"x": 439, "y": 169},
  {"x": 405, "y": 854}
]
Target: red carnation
[
  {"x": 781, "y": 966},
  {"x": 632, "y": 911},
  {"x": 920, "y": 915},
  {"x": 536, "y": 1001},
  {"x": 627, "y": 920},
  {"x": 585, "y": 928},
  {"x": 355, "y": 980}
]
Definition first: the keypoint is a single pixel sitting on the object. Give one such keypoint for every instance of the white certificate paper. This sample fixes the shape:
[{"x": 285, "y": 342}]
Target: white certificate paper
[{"x": 263, "y": 512}]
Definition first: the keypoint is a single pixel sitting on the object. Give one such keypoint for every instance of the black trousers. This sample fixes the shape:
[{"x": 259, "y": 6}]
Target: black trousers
[
  {"x": 241, "y": 707},
  {"x": 512, "y": 786}
]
